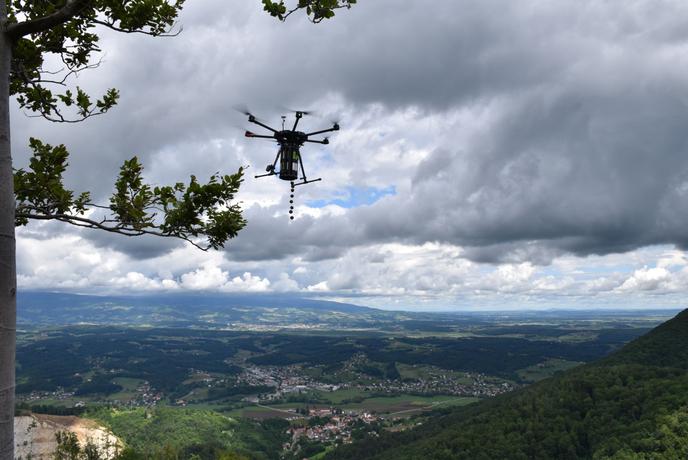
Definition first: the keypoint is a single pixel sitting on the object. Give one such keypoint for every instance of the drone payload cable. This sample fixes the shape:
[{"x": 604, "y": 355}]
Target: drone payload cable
[{"x": 291, "y": 202}]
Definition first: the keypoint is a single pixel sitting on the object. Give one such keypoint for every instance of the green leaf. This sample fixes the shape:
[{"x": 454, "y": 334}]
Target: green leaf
[{"x": 41, "y": 189}]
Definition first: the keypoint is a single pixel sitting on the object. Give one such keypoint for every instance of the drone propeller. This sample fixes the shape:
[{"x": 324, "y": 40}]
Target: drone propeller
[
  {"x": 302, "y": 112},
  {"x": 253, "y": 119},
  {"x": 244, "y": 110}
]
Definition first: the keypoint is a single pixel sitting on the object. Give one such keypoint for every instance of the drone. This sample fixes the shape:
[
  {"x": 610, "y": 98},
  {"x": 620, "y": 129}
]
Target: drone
[{"x": 289, "y": 154}]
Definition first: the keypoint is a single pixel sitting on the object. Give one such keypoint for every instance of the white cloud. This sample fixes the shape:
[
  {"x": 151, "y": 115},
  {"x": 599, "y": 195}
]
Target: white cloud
[
  {"x": 647, "y": 279},
  {"x": 284, "y": 284},
  {"x": 672, "y": 259},
  {"x": 209, "y": 277},
  {"x": 246, "y": 283},
  {"x": 393, "y": 274},
  {"x": 319, "y": 287},
  {"x": 212, "y": 278}
]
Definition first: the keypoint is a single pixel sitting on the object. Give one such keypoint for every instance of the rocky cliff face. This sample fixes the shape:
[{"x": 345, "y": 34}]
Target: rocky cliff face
[{"x": 34, "y": 435}]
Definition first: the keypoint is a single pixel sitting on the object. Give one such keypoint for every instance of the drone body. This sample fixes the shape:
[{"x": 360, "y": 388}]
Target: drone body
[{"x": 289, "y": 154}]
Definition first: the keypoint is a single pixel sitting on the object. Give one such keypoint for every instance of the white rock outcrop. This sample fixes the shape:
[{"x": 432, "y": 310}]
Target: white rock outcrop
[{"x": 34, "y": 436}]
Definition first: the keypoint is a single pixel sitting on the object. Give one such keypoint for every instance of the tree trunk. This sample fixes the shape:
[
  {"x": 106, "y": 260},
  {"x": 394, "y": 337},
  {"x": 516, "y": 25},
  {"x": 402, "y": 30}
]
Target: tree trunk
[{"x": 8, "y": 272}]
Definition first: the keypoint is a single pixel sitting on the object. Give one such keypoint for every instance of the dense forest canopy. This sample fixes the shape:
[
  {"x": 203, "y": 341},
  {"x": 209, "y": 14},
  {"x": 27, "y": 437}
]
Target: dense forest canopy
[{"x": 633, "y": 404}]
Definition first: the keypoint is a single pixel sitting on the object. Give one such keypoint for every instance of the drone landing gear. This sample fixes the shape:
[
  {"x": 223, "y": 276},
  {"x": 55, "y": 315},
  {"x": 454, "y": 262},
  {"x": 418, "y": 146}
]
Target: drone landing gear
[
  {"x": 304, "y": 182},
  {"x": 270, "y": 170}
]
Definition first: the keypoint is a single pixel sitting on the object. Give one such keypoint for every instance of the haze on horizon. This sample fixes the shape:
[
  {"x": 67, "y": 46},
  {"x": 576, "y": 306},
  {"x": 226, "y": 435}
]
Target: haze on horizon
[{"x": 492, "y": 155}]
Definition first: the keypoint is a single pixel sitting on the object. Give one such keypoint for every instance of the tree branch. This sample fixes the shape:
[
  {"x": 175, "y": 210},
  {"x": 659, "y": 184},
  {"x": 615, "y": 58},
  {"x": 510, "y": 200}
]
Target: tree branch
[
  {"x": 64, "y": 14},
  {"x": 119, "y": 229},
  {"x": 61, "y": 119},
  {"x": 111, "y": 25},
  {"x": 316, "y": 10},
  {"x": 190, "y": 213}
]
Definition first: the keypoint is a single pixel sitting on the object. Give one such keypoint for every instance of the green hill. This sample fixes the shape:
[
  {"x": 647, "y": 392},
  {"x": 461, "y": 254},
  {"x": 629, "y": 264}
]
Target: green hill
[
  {"x": 666, "y": 346},
  {"x": 631, "y": 405}
]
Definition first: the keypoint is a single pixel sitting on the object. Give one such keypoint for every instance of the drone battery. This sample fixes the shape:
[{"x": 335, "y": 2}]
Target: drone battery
[{"x": 289, "y": 163}]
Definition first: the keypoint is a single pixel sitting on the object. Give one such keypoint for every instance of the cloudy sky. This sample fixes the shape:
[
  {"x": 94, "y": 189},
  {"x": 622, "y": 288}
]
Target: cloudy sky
[{"x": 493, "y": 154}]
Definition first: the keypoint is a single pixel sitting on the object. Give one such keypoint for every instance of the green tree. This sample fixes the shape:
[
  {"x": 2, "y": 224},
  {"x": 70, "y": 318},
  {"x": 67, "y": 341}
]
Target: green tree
[
  {"x": 90, "y": 451},
  {"x": 68, "y": 447},
  {"x": 30, "y": 30}
]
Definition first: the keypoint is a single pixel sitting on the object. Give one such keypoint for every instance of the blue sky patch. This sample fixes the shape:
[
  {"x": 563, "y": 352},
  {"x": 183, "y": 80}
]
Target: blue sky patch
[{"x": 353, "y": 197}]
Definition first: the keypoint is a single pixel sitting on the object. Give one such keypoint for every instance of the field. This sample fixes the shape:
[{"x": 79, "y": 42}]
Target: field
[
  {"x": 128, "y": 391},
  {"x": 387, "y": 407},
  {"x": 407, "y": 404},
  {"x": 545, "y": 369},
  {"x": 419, "y": 371}
]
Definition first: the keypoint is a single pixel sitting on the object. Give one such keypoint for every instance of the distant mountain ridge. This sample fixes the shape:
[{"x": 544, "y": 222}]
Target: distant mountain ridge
[
  {"x": 630, "y": 405},
  {"x": 50, "y": 308},
  {"x": 35, "y": 298},
  {"x": 282, "y": 311}
]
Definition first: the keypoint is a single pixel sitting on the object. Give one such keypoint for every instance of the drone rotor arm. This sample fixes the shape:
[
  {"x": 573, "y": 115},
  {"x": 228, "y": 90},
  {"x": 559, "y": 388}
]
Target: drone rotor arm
[
  {"x": 324, "y": 141},
  {"x": 334, "y": 128},
  {"x": 258, "y": 136},
  {"x": 298, "y": 117},
  {"x": 253, "y": 120}
]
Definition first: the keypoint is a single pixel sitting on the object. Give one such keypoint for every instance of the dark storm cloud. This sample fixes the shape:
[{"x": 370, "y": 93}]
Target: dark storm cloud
[
  {"x": 561, "y": 171},
  {"x": 583, "y": 149},
  {"x": 588, "y": 173},
  {"x": 267, "y": 237},
  {"x": 142, "y": 247}
]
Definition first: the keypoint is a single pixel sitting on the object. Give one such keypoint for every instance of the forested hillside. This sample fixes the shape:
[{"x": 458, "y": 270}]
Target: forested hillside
[{"x": 633, "y": 404}]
